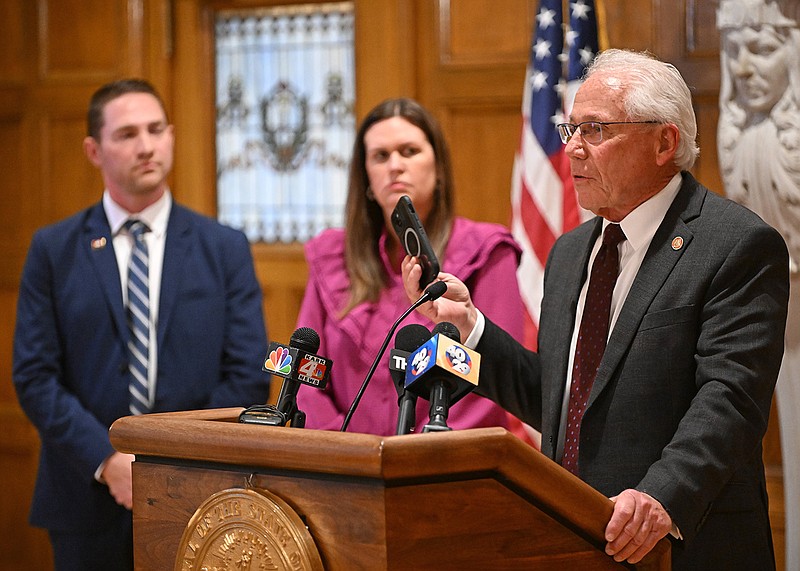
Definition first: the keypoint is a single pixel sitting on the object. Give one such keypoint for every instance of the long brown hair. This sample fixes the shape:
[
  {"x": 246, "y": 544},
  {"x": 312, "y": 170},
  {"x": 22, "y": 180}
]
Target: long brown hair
[{"x": 364, "y": 221}]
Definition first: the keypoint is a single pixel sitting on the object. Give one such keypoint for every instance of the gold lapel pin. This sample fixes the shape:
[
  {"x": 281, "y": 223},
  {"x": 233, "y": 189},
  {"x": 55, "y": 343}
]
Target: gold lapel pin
[
  {"x": 99, "y": 243},
  {"x": 677, "y": 243}
]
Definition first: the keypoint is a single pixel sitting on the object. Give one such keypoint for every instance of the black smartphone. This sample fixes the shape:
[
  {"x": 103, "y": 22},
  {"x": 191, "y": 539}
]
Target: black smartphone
[{"x": 414, "y": 240}]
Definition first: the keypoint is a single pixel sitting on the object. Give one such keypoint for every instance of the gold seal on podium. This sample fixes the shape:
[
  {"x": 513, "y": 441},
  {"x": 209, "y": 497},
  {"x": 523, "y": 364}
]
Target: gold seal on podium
[{"x": 246, "y": 529}]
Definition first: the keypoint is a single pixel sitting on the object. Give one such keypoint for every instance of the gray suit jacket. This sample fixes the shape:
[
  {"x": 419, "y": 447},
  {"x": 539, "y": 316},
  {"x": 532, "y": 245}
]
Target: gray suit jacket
[{"x": 682, "y": 397}]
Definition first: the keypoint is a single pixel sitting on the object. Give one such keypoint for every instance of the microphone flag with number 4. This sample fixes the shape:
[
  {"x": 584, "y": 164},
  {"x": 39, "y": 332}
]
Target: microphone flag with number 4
[{"x": 298, "y": 365}]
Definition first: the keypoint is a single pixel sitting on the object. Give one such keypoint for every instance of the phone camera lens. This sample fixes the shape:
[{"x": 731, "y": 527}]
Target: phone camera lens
[{"x": 412, "y": 243}]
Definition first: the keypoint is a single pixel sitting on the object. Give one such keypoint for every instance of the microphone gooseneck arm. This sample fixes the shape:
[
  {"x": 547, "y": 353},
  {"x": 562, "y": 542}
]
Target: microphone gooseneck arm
[{"x": 433, "y": 291}]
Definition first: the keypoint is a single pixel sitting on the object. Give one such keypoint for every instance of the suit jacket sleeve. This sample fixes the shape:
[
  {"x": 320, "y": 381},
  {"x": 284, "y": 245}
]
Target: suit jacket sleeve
[
  {"x": 244, "y": 344},
  {"x": 510, "y": 375},
  {"x": 58, "y": 413}
]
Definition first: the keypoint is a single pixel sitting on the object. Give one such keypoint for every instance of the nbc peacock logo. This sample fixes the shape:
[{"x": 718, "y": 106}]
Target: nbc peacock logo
[{"x": 279, "y": 360}]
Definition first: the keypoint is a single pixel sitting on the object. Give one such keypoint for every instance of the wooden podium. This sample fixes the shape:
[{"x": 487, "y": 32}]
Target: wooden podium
[{"x": 472, "y": 499}]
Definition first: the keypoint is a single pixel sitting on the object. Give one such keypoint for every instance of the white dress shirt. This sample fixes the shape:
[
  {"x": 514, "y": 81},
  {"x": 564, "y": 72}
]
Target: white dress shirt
[
  {"x": 155, "y": 216},
  {"x": 639, "y": 227}
]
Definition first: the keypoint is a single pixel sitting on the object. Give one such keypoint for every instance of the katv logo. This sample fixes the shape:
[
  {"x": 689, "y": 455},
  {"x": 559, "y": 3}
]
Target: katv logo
[
  {"x": 311, "y": 370},
  {"x": 279, "y": 360},
  {"x": 458, "y": 359}
]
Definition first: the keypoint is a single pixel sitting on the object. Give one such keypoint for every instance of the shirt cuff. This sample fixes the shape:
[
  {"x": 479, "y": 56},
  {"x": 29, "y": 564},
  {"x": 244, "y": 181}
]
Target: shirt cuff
[
  {"x": 98, "y": 474},
  {"x": 475, "y": 335}
]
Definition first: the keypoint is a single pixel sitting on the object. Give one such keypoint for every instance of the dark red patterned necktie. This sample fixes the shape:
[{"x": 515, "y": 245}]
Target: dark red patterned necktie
[{"x": 591, "y": 339}]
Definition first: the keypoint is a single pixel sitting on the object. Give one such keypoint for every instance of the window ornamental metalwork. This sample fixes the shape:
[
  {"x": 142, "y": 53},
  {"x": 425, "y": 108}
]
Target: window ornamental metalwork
[{"x": 285, "y": 85}]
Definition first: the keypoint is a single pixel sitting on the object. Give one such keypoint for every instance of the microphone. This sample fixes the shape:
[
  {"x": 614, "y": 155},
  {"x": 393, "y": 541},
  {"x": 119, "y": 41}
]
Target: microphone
[
  {"x": 297, "y": 364},
  {"x": 432, "y": 292},
  {"x": 306, "y": 341},
  {"x": 442, "y": 371},
  {"x": 408, "y": 339}
]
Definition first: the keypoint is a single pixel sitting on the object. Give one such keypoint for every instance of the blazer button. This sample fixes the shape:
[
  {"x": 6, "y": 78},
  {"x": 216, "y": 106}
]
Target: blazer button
[{"x": 123, "y": 367}]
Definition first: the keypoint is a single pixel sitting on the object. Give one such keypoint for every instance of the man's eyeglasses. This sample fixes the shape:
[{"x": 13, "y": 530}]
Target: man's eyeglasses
[{"x": 591, "y": 131}]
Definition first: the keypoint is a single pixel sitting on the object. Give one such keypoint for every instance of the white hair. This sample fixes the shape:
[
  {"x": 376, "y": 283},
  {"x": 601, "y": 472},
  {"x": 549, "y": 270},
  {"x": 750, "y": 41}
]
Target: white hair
[{"x": 653, "y": 91}]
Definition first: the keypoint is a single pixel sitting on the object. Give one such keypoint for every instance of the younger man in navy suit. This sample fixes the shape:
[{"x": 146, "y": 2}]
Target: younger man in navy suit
[{"x": 85, "y": 354}]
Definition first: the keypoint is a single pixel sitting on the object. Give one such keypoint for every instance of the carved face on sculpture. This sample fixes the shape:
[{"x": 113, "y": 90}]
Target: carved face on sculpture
[
  {"x": 758, "y": 132},
  {"x": 759, "y": 58}
]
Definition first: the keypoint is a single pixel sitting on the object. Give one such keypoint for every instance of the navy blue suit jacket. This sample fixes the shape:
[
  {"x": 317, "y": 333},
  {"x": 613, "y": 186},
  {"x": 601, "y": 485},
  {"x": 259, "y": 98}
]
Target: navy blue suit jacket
[
  {"x": 681, "y": 400},
  {"x": 70, "y": 357}
]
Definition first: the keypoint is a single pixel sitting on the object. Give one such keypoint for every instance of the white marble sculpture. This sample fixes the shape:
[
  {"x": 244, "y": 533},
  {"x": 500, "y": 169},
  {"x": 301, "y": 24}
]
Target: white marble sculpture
[{"x": 758, "y": 139}]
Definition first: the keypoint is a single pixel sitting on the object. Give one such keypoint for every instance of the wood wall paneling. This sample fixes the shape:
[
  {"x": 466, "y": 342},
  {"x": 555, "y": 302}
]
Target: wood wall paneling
[
  {"x": 69, "y": 179},
  {"x": 23, "y": 547},
  {"x": 17, "y": 66},
  {"x": 484, "y": 140},
  {"x": 477, "y": 32},
  {"x": 55, "y": 54},
  {"x": 464, "y": 59},
  {"x": 685, "y": 34},
  {"x": 386, "y": 50},
  {"x": 13, "y": 56},
  {"x": 13, "y": 145},
  {"x": 706, "y": 168},
  {"x": 702, "y": 38},
  {"x": 628, "y": 23},
  {"x": 92, "y": 45},
  {"x": 193, "y": 103},
  {"x": 471, "y": 76},
  {"x": 282, "y": 271},
  {"x": 8, "y": 396},
  {"x": 774, "y": 471}
]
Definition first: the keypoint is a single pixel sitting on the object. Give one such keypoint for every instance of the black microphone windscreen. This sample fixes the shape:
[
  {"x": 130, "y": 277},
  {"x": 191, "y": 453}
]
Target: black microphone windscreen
[
  {"x": 305, "y": 339},
  {"x": 449, "y": 330},
  {"x": 411, "y": 337},
  {"x": 436, "y": 290}
]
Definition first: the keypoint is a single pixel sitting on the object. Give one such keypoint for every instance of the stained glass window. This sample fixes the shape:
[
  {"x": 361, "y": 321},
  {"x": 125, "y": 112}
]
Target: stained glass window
[{"x": 285, "y": 85}]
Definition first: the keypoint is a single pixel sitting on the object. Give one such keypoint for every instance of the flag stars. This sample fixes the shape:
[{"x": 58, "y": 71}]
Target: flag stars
[
  {"x": 586, "y": 55},
  {"x": 570, "y": 37},
  {"x": 546, "y": 18},
  {"x": 540, "y": 111},
  {"x": 580, "y": 10},
  {"x": 558, "y": 118},
  {"x": 539, "y": 80},
  {"x": 542, "y": 49}
]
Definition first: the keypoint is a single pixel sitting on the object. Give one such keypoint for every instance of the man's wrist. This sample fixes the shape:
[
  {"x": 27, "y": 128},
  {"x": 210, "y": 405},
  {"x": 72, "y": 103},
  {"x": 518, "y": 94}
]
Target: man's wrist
[{"x": 474, "y": 337}]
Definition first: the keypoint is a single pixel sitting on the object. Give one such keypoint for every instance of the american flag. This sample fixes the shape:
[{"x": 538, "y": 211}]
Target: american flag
[{"x": 543, "y": 200}]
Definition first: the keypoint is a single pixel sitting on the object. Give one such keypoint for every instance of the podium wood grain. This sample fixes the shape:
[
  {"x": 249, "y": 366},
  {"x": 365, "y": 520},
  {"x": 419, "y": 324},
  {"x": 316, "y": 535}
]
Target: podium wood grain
[{"x": 471, "y": 499}]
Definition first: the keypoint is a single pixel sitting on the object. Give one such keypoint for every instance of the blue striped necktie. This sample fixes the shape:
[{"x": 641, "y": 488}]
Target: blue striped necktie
[{"x": 138, "y": 319}]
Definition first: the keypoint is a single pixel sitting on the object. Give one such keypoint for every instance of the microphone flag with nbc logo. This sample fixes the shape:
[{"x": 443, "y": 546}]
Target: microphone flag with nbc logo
[{"x": 298, "y": 365}]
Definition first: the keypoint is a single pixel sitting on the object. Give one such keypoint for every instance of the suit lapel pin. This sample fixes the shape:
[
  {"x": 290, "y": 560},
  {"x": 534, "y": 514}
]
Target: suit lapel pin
[
  {"x": 677, "y": 243},
  {"x": 99, "y": 243}
]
